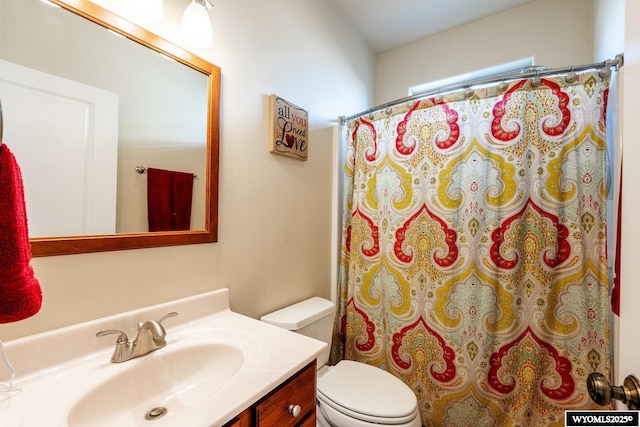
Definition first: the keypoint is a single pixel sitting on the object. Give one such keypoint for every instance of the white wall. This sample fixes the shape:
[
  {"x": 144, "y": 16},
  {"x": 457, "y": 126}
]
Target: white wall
[
  {"x": 608, "y": 28},
  {"x": 275, "y": 212},
  {"x": 555, "y": 33},
  {"x": 630, "y": 268}
]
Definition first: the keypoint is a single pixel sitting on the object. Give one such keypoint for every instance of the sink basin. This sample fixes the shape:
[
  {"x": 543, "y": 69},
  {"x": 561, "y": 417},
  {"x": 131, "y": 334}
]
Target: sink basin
[{"x": 159, "y": 386}]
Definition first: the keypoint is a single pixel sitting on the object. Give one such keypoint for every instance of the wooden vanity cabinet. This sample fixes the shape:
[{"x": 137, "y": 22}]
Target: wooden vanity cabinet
[
  {"x": 292, "y": 404},
  {"x": 243, "y": 420}
]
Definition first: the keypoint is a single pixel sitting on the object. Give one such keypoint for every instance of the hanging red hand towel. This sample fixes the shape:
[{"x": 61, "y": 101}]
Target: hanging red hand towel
[
  {"x": 20, "y": 293},
  {"x": 169, "y": 197}
]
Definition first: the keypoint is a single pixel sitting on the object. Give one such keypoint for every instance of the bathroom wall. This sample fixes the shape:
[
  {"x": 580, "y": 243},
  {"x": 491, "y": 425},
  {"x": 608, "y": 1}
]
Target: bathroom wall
[
  {"x": 608, "y": 28},
  {"x": 555, "y": 33},
  {"x": 275, "y": 233}
]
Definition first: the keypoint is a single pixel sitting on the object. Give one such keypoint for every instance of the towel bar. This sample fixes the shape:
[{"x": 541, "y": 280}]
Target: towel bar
[{"x": 142, "y": 169}]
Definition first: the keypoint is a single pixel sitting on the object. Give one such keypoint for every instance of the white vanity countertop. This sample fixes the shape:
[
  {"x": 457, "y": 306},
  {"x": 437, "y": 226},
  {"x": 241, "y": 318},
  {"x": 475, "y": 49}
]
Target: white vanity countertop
[{"x": 57, "y": 369}]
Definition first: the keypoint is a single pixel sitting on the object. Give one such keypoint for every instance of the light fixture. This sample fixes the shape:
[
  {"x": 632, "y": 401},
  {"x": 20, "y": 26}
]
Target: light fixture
[
  {"x": 145, "y": 10},
  {"x": 195, "y": 28}
]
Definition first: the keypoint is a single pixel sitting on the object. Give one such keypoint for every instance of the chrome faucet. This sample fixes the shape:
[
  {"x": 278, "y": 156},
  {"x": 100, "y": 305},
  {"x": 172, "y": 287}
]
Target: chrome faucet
[{"x": 151, "y": 337}]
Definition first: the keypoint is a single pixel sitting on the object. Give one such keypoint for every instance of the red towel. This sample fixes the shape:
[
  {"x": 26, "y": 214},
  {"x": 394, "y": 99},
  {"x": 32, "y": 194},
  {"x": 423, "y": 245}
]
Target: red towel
[
  {"x": 169, "y": 195},
  {"x": 20, "y": 293}
]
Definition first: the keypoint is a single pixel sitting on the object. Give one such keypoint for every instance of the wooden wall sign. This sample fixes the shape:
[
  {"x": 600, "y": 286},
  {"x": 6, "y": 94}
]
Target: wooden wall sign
[{"x": 289, "y": 129}]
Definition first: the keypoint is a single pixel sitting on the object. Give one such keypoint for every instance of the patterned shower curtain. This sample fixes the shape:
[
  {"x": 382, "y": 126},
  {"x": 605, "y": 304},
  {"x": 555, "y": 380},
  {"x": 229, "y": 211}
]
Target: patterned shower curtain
[{"x": 473, "y": 263}]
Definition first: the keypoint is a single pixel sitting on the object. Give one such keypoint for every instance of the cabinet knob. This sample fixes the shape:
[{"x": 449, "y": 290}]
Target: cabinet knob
[{"x": 295, "y": 410}]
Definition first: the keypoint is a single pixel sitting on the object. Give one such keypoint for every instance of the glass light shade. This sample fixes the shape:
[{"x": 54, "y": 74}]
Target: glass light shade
[
  {"x": 145, "y": 10},
  {"x": 195, "y": 28}
]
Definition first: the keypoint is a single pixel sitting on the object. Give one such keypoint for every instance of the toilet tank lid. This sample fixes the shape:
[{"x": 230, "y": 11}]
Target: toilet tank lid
[{"x": 301, "y": 314}]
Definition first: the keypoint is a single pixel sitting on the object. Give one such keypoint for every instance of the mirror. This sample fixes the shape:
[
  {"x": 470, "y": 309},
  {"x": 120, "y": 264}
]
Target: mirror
[{"x": 204, "y": 121}]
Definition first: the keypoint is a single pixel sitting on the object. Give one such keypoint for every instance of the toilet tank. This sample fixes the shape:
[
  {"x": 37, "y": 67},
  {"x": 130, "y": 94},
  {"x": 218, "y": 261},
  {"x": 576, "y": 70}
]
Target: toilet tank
[{"x": 312, "y": 317}]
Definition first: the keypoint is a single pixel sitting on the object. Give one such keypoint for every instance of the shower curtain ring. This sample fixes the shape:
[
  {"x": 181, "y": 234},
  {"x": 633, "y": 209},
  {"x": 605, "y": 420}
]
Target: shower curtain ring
[
  {"x": 469, "y": 92},
  {"x": 535, "y": 81},
  {"x": 502, "y": 86},
  {"x": 438, "y": 98},
  {"x": 571, "y": 77},
  {"x": 604, "y": 72},
  {"x": 388, "y": 110}
]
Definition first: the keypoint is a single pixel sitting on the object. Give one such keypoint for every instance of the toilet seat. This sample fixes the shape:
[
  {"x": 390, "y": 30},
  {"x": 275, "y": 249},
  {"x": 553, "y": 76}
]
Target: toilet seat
[
  {"x": 327, "y": 416},
  {"x": 366, "y": 393}
]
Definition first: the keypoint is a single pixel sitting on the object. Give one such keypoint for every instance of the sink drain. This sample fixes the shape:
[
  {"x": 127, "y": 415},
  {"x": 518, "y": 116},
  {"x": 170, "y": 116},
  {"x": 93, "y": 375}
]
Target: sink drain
[{"x": 156, "y": 413}]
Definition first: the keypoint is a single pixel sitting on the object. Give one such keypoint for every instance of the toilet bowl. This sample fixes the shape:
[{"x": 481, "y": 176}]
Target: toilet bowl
[{"x": 349, "y": 394}]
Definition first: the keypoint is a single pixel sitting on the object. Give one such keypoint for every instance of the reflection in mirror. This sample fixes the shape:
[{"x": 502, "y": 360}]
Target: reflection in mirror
[{"x": 84, "y": 106}]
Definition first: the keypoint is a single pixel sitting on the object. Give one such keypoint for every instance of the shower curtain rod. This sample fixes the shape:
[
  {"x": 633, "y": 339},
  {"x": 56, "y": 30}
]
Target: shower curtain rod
[{"x": 524, "y": 74}]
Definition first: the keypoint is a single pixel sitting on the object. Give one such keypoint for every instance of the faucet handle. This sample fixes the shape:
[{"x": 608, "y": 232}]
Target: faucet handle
[
  {"x": 166, "y": 316},
  {"x": 122, "y": 337},
  {"x": 159, "y": 322}
]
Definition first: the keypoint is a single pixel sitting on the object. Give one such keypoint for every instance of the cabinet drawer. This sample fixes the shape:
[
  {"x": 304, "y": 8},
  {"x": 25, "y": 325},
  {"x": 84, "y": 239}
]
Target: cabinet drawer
[{"x": 300, "y": 390}]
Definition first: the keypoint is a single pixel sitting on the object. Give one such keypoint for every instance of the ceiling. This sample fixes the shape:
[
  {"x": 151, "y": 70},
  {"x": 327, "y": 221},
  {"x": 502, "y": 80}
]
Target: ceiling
[{"x": 388, "y": 24}]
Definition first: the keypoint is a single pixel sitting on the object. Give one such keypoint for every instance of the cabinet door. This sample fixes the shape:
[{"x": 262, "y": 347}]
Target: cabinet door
[
  {"x": 242, "y": 420},
  {"x": 310, "y": 421},
  {"x": 292, "y": 404}
]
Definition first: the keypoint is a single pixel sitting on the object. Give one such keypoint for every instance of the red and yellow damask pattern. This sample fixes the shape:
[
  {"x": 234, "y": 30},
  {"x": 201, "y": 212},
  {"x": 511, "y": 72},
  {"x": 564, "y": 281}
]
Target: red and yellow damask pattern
[{"x": 474, "y": 250}]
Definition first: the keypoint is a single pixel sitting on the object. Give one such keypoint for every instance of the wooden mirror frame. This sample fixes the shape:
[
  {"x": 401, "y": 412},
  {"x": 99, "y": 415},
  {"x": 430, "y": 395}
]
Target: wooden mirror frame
[{"x": 65, "y": 245}]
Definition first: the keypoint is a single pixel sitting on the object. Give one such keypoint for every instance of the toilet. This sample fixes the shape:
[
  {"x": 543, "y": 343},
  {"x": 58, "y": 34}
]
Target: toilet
[{"x": 349, "y": 394}]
